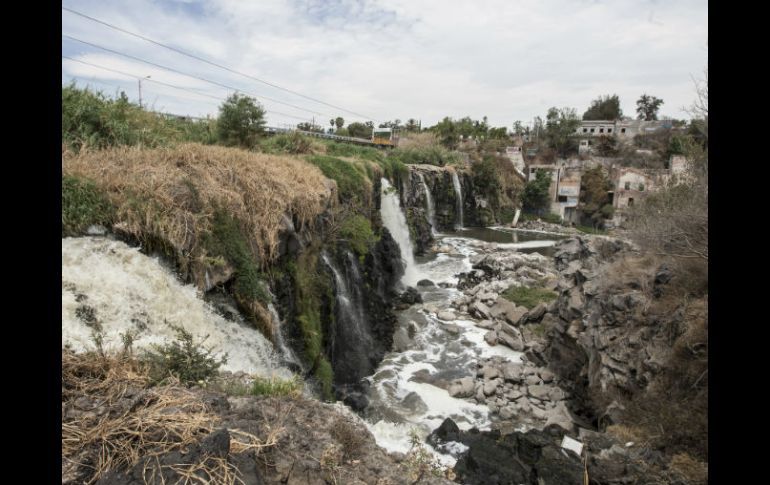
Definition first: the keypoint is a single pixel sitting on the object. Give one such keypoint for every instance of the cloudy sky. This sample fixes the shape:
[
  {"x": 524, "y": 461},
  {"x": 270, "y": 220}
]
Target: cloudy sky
[{"x": 381, "y": 60}]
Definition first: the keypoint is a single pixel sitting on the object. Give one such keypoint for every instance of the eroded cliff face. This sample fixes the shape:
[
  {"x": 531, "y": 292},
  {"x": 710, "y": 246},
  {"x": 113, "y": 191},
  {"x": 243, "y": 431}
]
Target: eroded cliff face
[{"x": 614, "y": 328}]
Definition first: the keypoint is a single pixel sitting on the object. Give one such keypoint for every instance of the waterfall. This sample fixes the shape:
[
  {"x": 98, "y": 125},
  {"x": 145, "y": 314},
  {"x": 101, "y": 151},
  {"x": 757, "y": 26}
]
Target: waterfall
[
  {"x": 393, "y": 218},
  {"x": 459, "y": 195},
  {"x": 350, "y": 338},
  {"x": 111, "y": 288},
  {"x": 286, "y": 353},
  {"x": 430, "y": 208}
]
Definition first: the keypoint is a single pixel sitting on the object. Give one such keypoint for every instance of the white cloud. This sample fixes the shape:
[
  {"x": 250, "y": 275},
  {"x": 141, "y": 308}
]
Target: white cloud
[{"x": 505, "y": 59}]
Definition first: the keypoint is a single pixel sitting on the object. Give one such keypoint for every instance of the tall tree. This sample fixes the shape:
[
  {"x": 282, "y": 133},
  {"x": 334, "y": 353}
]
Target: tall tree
[
  {"x": 241, "y": 121},
  {"x": 360, "y": 130},
  {"x": 536, "y": 192},
  {"x": 411, "y": 125},
  {"x": 647, "y": 107},
  {"x": 604, "y": 108},
  {"x": 595, "y": 202},
  {"x": 447, "y": 132},
  {"x": 339, "y": 121},
  {"x": 560, "y": 127}
]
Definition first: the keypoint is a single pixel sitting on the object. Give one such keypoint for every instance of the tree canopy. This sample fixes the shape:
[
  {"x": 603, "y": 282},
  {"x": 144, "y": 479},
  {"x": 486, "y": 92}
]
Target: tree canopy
[
  {"x": 647, "y": 107},
  {"x": 604, "y": 108},
  {"x": 560, "y": 127},
  {"x": 536, "y": 197},
  {"x": 241, "y": 121}
]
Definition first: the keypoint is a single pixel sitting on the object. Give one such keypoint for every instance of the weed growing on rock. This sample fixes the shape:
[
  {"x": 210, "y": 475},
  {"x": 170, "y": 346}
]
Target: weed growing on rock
[
  {"x": 83, "y": 204},
  {"x": 274, "y": 386},
  {"x": 421, "y": 462},
  {"x": 528, "y": 297},
  {"x": 184, "y": 359}
]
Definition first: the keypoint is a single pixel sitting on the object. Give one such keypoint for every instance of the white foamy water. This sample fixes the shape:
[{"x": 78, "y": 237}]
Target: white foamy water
[
  {"x": 459, "y": 192},
  {"x": 435, "y": 355},
  {"x": 393, "y": 218},
  {"x": 429, "y": 202},
  {"x": 132, "y": 292}
]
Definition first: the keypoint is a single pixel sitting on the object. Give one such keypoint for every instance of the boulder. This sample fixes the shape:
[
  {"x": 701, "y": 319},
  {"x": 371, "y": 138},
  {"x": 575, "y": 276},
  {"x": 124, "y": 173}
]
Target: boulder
[
  {"x": 462, "y": 387},
  {"x": 538, "y": 391},
  {"x": 451, "y": 328},
  {"x": 536, "y": 313},
  {"x": 446, "y": 315},
  {"x": 546, "y": 375},
  {"x": 490, "y": 372},
  {"x": 490, "y": 387},
  {"x": 510, "y": 341},
  {"x": 512, "y": 372},
  {"x": 501, "y": 307},
  {"x": 480, "y": 310},
  {"x": 491, "y": 337},
  {"x": 515, "y": 315},
  {"x": 400, "y": 340},
  {"x": 425, "y": 282}
]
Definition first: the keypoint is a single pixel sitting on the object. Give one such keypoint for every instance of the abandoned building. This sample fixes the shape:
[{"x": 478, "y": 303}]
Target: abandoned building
[
  {"x": 623, "y": 130},
  {"x": 630, "y": 185}
]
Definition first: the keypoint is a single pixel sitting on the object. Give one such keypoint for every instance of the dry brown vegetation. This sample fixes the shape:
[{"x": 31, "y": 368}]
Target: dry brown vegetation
[
  {"x": 418, "y": 140},
  {"x": 129, "y": 423},
  {"x": 172, "y": 193}
]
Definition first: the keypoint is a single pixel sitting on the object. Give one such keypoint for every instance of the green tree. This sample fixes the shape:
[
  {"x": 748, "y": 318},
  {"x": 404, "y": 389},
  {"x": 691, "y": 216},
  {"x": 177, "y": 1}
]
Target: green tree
[
  {"x": 607, "y": 145},
  {"x": 498, "y": 133},
  {"x": 307, "y": 126},
  {"x": 595, "y": 202},
  {"x": 360, "y": 130},
  {"x": 647, "y": 107},
  {"x": 339, "y": 121},
  {"x": 411, "y": 125},
  {"x": 604, "y": 108},
  {"x": 447, "y": 132},
  {"x": 241, "y": 121},
  {"x": 560, "y": 128},
  {"x": 536, "y": 196},
  {"x": 518, "y": 128}
]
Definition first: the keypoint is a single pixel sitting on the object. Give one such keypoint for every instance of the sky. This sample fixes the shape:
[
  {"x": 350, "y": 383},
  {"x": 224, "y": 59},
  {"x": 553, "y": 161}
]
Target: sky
[{"x": 505, "y": 59}]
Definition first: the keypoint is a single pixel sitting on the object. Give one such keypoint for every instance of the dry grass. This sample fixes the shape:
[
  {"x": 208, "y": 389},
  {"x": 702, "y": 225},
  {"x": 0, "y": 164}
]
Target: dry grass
[
  {"x": 689, "y": 469},
  {"x": 172, "y": 192},
  {"x": 418, "y": 140},
  {"x": 140, "y": 426},
  {"x": 629, "y": 272}
]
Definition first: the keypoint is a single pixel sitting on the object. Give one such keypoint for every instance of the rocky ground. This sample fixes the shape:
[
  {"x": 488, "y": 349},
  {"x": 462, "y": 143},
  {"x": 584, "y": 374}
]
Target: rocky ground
[
  {"x": 120, "y": 430},
  {"x": 599, "y": 333}
]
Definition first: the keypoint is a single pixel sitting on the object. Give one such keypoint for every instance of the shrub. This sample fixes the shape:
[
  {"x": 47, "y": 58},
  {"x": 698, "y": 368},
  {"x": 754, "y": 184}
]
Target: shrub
[
  {"x": 90, "y": 119},
  {"x": 291, "y": 143},
  {"x": 431, "y": 155},
  {"x": 351, "y": 183},
  {"x": 273, "y": 386},
  {"x": 241, "y": 121},
  {"x": 83, "y": 205},
  {"x": 349, "y": 437},
  {"x": 528, "y": 297},
  {"x": 185, "y": 359},
  {"x": 228, "y": 240},
  {"x": 357, "y": 230}
]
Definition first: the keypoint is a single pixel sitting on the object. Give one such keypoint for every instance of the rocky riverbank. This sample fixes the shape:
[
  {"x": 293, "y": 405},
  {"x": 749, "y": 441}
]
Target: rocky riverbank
[{"x": 603, "y": 332}]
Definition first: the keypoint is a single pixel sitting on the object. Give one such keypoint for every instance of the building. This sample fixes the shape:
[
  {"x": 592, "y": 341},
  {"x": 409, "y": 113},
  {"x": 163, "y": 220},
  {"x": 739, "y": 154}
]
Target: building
[
  {"x": 623, "y": 130},
  {"x": 564, "y": 191}
]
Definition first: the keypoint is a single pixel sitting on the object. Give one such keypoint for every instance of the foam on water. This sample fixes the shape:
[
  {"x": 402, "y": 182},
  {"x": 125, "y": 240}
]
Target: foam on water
[{"x": 131, "y": 292}]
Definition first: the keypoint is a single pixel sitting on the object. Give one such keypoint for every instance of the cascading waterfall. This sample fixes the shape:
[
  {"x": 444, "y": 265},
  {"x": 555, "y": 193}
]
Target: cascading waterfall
[
  {"x": 350, "y": 304},
  {"x": 459, "y": 194},
  {"x": 286, "y": 353},
  {"x": 111, "y": 288},
  {"x": 393, "y": 218},
  {"x": 430, "y": 207}
]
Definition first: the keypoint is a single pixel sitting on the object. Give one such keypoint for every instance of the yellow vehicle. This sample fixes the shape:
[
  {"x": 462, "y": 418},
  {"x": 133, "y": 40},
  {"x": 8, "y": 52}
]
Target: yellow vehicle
[{"x": 385, "y": 137}]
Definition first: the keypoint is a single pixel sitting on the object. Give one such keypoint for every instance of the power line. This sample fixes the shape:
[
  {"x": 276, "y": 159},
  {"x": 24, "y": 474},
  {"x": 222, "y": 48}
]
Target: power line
[
  {"x": 129, "y": 56},
  {"x": 171, "y": 85},
  {"x": 193, "y": 56}
]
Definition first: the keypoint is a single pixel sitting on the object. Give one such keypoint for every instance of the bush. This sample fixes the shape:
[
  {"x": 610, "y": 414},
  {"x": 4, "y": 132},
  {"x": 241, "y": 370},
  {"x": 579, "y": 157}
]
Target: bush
[
  {"x": 528, "y": 297},
  {"x": 357, "y": 230},
  {"x": 352, "y": 184},
  {"x": 241, "y": 121},
  {"x": 228, "y": 240},
  {"x": 186, "y": 360},
  {"x": 273, "y": 386},
  {"x": 90, "y": 119},
  {"x": 431, "y": 155},
  {"x": 83, "y": 205},
  {"x": 291, "y": 143}
]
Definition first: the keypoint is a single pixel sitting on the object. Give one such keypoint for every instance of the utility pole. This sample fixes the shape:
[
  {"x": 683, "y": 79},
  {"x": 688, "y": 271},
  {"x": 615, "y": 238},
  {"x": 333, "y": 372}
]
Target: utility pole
[{"x": 140, "y": 89}]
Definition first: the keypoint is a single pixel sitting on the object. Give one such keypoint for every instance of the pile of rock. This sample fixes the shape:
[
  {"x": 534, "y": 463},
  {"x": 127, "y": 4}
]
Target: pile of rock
[{"x": 516, "y": 390}]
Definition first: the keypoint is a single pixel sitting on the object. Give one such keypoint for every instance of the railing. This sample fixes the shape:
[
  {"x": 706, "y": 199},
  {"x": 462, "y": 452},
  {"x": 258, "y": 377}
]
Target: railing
[{"x": 329, "y": 136}]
